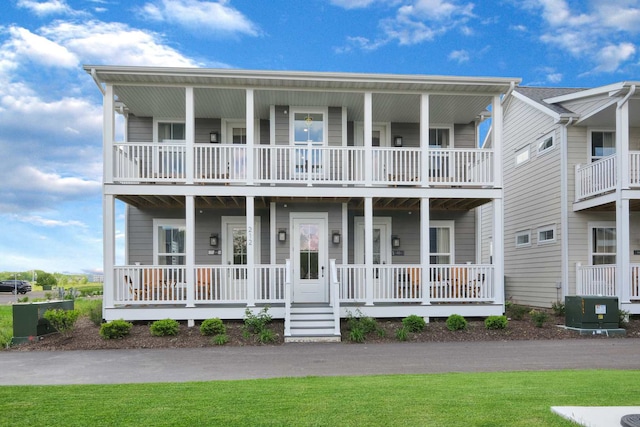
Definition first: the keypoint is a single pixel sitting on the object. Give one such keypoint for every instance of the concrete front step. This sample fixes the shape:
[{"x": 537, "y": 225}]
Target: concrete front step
[{"x": 326, "y": 338}]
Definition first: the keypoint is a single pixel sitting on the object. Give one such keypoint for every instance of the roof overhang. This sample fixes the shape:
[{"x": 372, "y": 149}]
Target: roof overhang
[{"x": 610, "y": 90}]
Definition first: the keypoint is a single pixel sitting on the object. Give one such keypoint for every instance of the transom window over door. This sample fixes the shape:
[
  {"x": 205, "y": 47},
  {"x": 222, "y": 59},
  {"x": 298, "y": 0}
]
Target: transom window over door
[
  {"x": 603, "y": 144},
  {"x": 603, "y": 245}
]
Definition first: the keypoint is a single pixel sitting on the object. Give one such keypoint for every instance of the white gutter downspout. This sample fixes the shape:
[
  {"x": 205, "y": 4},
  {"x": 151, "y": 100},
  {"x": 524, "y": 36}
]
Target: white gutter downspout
[
  {"x": 95, "y": 79},
  {"x": 512, "y": 86},
  {"x": 564, "y": 208}
]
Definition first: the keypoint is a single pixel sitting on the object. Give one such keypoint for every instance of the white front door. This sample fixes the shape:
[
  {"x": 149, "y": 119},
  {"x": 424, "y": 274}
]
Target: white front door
[
  {"x": 234, "y": 254},
  {"x": 310, "y": 267}
]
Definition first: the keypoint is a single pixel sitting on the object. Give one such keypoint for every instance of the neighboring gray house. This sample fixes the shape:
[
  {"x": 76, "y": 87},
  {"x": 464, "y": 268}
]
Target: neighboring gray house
[
  {"x": 572, "y": 194},
  {"x": 314, "y": 193}
]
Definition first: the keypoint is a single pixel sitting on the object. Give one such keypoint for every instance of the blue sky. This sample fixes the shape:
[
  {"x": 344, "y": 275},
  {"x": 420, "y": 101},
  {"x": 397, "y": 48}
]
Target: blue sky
[{"x": 50, "y": 109}]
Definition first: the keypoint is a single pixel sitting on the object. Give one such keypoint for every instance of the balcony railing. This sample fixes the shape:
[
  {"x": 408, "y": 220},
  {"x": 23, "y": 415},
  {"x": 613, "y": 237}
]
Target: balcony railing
[
  {"x": 596, "y": 178},
  {"x": 225, "y": 163},
  {"x": 596, "y": 280}
]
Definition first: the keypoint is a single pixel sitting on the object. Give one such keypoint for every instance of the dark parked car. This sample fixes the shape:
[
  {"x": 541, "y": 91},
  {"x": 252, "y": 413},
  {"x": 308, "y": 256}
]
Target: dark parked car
[{"x": 22, "y": 286}]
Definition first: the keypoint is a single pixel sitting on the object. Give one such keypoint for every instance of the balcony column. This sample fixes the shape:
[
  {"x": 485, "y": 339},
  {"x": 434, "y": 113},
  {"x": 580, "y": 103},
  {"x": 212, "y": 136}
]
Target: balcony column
[
  {"x": 425, "y": 245},
  {"x": 368, "y": 250},
  {"x": 109, "y": 249},
  {"x": 251, "y": 294},
  {"x": 623, "y": 273},
  {"x": 190, "y": 135},
  {"x": 108, "y": 131},
  {"x": 496, "y": 140},
  {"x": 190, "y": 248},
  {"x": 498, "y": 251},
  {"x": 368, "y": 128},
  {"x": 622, "y": 144},
  {"x": 250, "y": 136},
  {"x": 424, "y": 140}
]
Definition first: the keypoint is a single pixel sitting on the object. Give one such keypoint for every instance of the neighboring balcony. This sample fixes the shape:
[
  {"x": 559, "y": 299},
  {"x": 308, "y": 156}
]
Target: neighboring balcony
[
  {"x": 600, "y": 177},
  {"x": 135, "y": 163},
  {"x": 604, "y": 280}
]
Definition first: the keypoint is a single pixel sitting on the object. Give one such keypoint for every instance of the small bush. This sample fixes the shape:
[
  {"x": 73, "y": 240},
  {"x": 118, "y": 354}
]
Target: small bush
[
  {"x": 115, "y": 329},
  {"x": 456, "y": 322},
  {"x": 623, "y": 318},
  {"x": 95, "y": 313},
  {"x": 266, "y": 336},
  {"x": 25, "y": 299},
  {"x": 414, "y": 323},
  {"x": 213, "y": 327},
  {"x": 538, "y": 317},
  {"x": 360, "y": 326},
  {"x": 164, "y": 327},
  {"x": 220, "y": 339},
  {"x": 558, "y": 308},
  {"x": 256, "y": 323},
  {"x": 516, "y": 312},
  {"x": 62, "y": 321},
  {"x": 402, "y": 334},
  {"x": 357, "y": 335},
  {"x": 495, "y": 322}
]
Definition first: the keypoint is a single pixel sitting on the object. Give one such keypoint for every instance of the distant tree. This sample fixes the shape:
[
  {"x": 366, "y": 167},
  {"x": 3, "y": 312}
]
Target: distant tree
[
  {"x": 83, "y": 280},
  {"x": 45, "y": 279}
]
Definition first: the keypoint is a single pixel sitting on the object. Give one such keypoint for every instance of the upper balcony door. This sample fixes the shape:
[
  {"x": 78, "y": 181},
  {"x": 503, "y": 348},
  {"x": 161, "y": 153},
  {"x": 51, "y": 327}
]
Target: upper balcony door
[
  {"x": 234, "y": 132},
  {"x": 602, "y": 143},
  {"x": 309, "y": 133},
  {"x": 169, "y": 158}
]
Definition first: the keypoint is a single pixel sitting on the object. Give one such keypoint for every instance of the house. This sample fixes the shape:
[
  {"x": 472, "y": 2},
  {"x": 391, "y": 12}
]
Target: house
[
  {"x": 572, "y": 194},
  {"x": 317, "y": 194}
]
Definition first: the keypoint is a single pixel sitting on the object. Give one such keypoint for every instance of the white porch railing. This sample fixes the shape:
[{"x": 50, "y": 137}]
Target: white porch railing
[
  {"x": 406, "y": 283},
  {"x": 634, "y": 168},
  {"x": 227, "y": 163},
  {"x": 635, "y": 282},
  {"x": 150, "y": 284},
  {"x": 596, "y": 280},
  {"x": 269, "y": 282},
  {"x": 596, "y": 178}
]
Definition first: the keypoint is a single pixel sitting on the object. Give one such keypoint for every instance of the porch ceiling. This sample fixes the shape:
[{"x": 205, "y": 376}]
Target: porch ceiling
[
  {"x": 607, "y": 117},
  {"x": 634, "y": 206},
  {"x": 220, "y": 202}
]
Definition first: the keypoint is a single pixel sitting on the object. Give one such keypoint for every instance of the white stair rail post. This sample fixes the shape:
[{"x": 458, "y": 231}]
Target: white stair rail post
[
  {"x": 335, "y": 296},
  {"x": 287, "y": 298}
]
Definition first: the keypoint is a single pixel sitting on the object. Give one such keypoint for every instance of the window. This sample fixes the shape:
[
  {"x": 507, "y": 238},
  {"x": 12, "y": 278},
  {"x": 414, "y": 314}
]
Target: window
[
  {"x": 546, "y": 234},
  {"x": 441, "y": 242},
  {"x": 439, "y": 138},
  {"x": 522, "y": 155},
  {"x": 602, "y": 244},
  {"x": 603, "y": 144},
  {"x": 523, "y": 238},
  {"x": 309, "y": 132},
  {"x": 545, "y": 144},
  {"x": 171, "y": 131},
  {"x": 169, "y": 241}
]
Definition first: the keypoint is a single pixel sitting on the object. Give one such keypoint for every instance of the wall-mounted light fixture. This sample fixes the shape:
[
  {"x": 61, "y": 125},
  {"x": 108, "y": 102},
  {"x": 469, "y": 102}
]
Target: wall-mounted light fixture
[
  {"x": 335, "y": 237},
  {"x": 397, "y": 141},
  {"x": 214, "y": 240},
  {"x": 395, "y": 241},
  {"x": 214, "y": 137},
  {"x": 282, "y": 235}
]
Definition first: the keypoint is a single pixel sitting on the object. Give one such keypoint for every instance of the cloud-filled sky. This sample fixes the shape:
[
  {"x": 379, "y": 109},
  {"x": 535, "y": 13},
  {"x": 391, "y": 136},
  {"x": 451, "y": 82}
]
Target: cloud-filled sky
[{"x": 50, "y": 109}]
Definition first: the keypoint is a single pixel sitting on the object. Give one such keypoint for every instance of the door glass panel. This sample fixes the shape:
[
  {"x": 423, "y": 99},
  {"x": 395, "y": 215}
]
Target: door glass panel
[
  {"x": 602, "y": 144},
  {"x": 375, "y": 138},
  {"x": 239, "y": 135},
  {"x": 308, "y": 127},
  {"x": 171, "y": 131},
  {"x": 309, "y": 240},
  {"x": 239, "y": 246},
  {"x": 603, "y": 249}
]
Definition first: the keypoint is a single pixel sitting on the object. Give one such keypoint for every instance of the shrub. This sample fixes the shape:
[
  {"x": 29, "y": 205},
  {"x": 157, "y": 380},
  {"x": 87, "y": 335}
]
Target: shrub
[
  {"x": 115, "y": 329},
  {"x": 220, "y": 339},
  {"x": 495, "y": 322},
  {"x": 357, "y": 335},
  {"x": 95, "y": 312},
  {"x": 164, "y": 327},
  {"x": 558, "y": 308},
  {"x": 538, "y": 317},
  {"x": 62, "y": 321},
  {"x": 88, "y": 291},
  {"x": 266, "y": 336},
  {"x": 623, "y": 318},
  {"x": 213, "y": 327},
  {"x": 402, "y": 334},
  {"x": 256, "y": 323},
  {"x": 360, "y": 326},
  {"x": 414, "y": 323},
  {"x": 516, "y": 312},
  {"x": 25, "y": 299},
  {"x": 456, "y": 322}
]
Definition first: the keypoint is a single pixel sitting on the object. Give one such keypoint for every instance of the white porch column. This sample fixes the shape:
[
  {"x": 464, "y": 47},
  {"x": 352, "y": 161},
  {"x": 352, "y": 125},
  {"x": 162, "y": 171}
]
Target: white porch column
[
  {"x": 623, "y": 275},
  {"x": 345, "y": 233},
  {"x": 496, "y": 140},
  {"x": 109, "y": 250},
  {"x": 108, "y": 131},
  {"x": 424, "y": 139},
  {"x": 251, "y": 286},
  {"x": 368, "y": 127},
  {"x": 190, "y": 134},
  {"x": 273, "y": 232},
  {"x": 425, "y": 245},
  {"x": 498, "y": 250},
  {"x": 190, "y": 248},
  {"x": 250, "y": 136},
  {"x": 368, "y": 249},
  {"x": 622, "y": 144}
]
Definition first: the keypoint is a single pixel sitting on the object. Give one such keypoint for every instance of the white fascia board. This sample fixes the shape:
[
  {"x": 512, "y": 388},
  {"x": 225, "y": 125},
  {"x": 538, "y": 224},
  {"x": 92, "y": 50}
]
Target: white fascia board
[
  {"x": 537, "y": 105},
  {"x": 608, "y": 89}
]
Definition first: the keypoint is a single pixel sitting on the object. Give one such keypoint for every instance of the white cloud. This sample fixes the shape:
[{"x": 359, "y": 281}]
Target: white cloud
[
  {"x": 459, "y": 55},
  {"x": 31, "y": 179},
  {"x": 611, "y": 56},
  {"x": 352, "y": 4},
  {"x": 554, "y": 78},
  {"x": 45, "y": 222},
  {"x": 201, "y": 16},
  {"x": 436, "y": 10},
  {"x": 44, "y": 8},
  {"x": 39, "y": 49}
]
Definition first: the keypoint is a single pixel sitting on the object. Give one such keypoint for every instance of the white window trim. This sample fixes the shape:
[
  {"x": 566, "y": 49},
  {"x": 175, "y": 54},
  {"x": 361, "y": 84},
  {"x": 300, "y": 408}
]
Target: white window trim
[
  {"x": 325, "y": 122},
  {"x": 599, "y": 224},
  {"x": 383, "y": 127},
  {"x": 444, "y": 126},
  {"x": 452, "y": 239},
  {"x": 522, "y": 150},
  {"x": 541, "y": 141},
  {"x": 158, "y": 120},
  {"x": 590, "y": 132},
  {"x": 174, "y": 222},
  {"x": 551, "y": 227},
  {"x": 523, "y": 233},
  {"x": 226, "y": 126}
]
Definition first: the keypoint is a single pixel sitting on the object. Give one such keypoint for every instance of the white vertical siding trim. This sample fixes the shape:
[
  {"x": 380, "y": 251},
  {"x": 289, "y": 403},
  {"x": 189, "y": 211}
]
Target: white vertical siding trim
[
  {"x": 344, "y": 127},
  {"x": 108, "y": 245},
  {"x": 498, "y": 250},
  {"x": 497, "y": 125},
  {"x": 345, "y": 233},
  {"x": 272, "y": 124}
]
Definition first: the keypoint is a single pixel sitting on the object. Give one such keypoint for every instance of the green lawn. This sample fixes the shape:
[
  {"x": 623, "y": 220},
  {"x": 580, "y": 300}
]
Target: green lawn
[{"x": 484, "y": 399}]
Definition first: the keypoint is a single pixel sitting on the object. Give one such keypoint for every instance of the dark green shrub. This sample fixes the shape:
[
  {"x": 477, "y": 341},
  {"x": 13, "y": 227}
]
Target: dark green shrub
[
  {"x": 360, "y": 326},
  {"x": 495, "y": 322},
  {"x": 213, "y": 327},
  {"x": 357, "y": 335},
  {"x": 220, "y": 339},
  {"x": 456, "y": 322},
  {"x": 164, "y": 327},
  {"x": 516, "y": 312},
  {"x": 558, "y": 308},
  {"x": 538, "y": 317},
  {"x": 115, "y": 329},
  {"x": 402, "y": 334},
  {"x": 414, "y": 323},
  {"x": 95, "y": 312},
  {"x": 62, "y": 321}
]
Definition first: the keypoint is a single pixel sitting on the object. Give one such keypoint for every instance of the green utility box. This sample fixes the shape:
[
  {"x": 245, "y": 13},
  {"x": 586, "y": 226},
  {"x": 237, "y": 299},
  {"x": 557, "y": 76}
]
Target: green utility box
[
  {"x": 29, "y": 321},
  {"x": 591, "y": 312}
]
